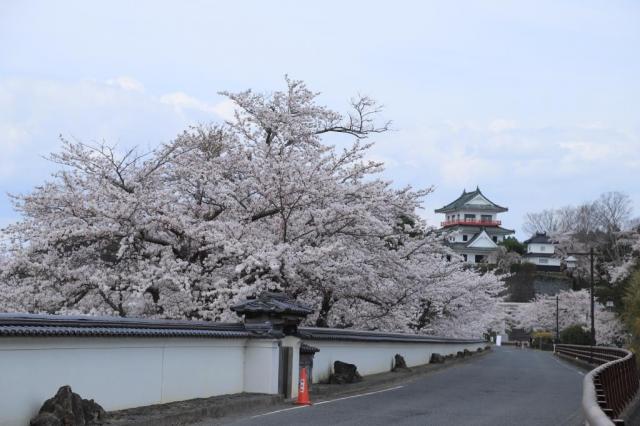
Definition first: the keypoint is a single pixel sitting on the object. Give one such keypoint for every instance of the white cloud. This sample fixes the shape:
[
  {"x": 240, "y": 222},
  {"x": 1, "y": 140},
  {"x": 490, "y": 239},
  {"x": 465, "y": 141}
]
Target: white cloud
[
  {"x": 495, "y": 154},
  {"x": 33, "y": 113},
  {"x": 12, "y": 139},
  {"x": 182, "y": 102},
  {"x": 501, "y": 125},
  {"x": 586, "y": 151},
  {"x": 523, "y": 167},
  {"x": 226, "y": 109},
  {"x": 126, "y": 83},
  {"x": 464, "y": 170},
  {"x": 466, "y": 151},
  {"x": 118, "y": 111}
]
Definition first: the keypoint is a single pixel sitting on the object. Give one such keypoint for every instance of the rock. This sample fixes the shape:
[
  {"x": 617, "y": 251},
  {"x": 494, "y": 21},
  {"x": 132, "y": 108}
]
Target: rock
[
  {"x": 460, "y": 354},
  {"x": 45, "y": 419},
  {"x": 344, "y": 373},
  {"x": 400, "y": 364},
  {"x": 67, "y": 408},
  {"x": 486, "y": 348},
  {"x": 479, "y": 350},
  {"x": 467, "y": 352},
  {"x": 436, "y": 359},
  {"x": 93, "y": 412}
]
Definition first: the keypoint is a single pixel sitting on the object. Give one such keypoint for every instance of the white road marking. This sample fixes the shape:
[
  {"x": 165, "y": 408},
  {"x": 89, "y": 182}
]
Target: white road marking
[
  {"x": 280, "y": 411},
  {"x": 566, "y": 366},
  {"x": 359, "y": 395},
  {"x": 327, "y": 402}
]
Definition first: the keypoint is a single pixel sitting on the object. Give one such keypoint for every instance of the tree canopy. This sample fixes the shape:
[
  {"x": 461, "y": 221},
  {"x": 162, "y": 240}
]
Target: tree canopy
[{"x": 225, "y": 211}]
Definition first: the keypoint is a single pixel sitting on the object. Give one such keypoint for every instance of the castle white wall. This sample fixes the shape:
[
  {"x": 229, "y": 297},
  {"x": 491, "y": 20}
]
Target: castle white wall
[
  {"x": 471, "y": 256},
  {"x": 540, "y": 248},
  {"x": 129, "y": 372},
  {"x": 126, "y": 372},
  {"x": 377, "y": 357},
  {"x": 457, "y": 237},
  {"x": 460, "y": 215},
  {"x": 544, "y": 261}
]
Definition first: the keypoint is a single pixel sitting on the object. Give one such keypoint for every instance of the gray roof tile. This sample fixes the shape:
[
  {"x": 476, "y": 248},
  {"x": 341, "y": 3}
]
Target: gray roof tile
[
  {"x": 539, "y": 238},
  {"x": 316, "y": 333},
  {"x": 272, "y": 302},
  {"x": 465, "y": 198},
  {"x": 55, "y": 325}
]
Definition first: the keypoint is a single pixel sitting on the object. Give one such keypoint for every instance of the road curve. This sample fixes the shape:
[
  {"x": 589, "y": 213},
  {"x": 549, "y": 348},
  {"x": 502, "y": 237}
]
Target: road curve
[{"x": 507, "y": 387}]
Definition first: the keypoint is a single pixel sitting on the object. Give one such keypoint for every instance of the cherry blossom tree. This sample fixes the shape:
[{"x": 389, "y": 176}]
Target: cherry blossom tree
[
  {"x": 573, "y": 308},
  {"x": 603, "y": 224},
  {"x": 223, "y": 212}
]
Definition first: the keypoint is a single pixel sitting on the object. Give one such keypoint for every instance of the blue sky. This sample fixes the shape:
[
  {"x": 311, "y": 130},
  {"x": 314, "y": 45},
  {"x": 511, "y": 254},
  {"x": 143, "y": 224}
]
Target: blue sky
[{"x": 536, "y": 102}]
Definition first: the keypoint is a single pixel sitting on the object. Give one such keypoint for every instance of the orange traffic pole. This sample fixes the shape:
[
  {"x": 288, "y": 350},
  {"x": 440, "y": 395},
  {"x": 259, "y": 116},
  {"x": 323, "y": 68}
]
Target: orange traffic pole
[{"x": 303, "y": 389}]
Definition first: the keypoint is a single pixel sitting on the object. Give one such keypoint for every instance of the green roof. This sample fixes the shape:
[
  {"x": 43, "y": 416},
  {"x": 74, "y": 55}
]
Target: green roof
[{"x": 465, "y": 198}]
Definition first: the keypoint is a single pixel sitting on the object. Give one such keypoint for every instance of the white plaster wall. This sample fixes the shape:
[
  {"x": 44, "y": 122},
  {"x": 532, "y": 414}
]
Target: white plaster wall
[
  {"x": 130, "y": 372},
  {"x": 550, "y": 261},
  {"x": 540, "y": 248},
  {"x": 461, "y": 213},
  {"x": 471, "y": 256},
  {"x": 127, "y": 372},
  {"x": 376, "y": 357},
  {"x": 479, "y": 214},
  {"x": 456, "y": 237},
  {"x": 261, "y": 363}
]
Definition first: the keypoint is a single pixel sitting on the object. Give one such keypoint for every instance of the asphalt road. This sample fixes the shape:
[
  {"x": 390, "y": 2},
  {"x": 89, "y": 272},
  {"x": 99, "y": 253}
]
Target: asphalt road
[{"x": 507, "y": 387}]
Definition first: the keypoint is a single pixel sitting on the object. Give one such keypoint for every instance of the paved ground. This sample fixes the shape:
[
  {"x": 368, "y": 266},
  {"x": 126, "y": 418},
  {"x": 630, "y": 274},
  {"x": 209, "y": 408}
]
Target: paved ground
[{"x": 507, "y": 387}]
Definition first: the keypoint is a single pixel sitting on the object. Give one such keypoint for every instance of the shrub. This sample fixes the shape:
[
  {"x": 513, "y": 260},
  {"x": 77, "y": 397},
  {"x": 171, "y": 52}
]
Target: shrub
[
  {"x": 631, "y": 313},
  {"x": 575, "y": 335},
  {"x": 513, "y": 245},
  {"x": 542, "y": 340}
]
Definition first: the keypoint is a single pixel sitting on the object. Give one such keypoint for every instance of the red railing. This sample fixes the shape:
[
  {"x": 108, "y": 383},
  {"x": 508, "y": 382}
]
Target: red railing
[{"x": 471, "y": 222}]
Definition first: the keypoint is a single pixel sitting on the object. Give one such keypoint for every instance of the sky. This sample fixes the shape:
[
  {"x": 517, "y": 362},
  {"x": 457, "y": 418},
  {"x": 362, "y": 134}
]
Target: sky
[{"x": 536, "y": 102}]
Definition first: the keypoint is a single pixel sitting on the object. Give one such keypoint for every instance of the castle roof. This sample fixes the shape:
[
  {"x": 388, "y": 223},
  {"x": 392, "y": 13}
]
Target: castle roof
[
  {"x": 474, "y": 200},
  {"x": 539, "y": 238}
]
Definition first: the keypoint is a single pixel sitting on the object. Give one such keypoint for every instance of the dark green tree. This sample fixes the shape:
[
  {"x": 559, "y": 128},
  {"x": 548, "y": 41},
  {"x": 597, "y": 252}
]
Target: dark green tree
[
  {"x": 513, "y": 245},
  {"x": 575, "y": 335}
]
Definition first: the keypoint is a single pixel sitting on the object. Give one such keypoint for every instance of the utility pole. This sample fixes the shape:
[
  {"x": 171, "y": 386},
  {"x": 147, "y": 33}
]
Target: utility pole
[
  {"x": 557, "y": 320},
  {"x": 593, "y": 323}
]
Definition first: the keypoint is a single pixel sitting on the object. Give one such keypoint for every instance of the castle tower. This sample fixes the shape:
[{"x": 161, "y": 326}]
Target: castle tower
[{"x": 473, "y": 226}]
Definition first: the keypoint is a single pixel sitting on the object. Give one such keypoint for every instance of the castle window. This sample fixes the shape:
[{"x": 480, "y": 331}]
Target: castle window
[
  {"x": 495, "y": 238},
  {"x": 464, "y": 256},
  {"x": 464, "y": 237}
]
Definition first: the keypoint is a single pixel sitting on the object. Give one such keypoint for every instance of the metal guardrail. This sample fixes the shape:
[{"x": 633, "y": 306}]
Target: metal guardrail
[{"x": 608, "y": 388}]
